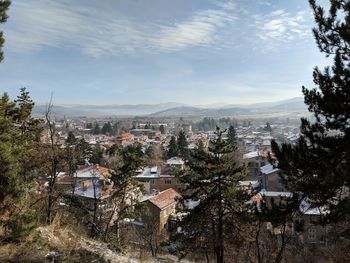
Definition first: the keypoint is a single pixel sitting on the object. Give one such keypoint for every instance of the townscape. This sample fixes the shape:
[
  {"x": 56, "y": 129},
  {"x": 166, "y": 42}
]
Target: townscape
[{"x": 263, "y": 184}]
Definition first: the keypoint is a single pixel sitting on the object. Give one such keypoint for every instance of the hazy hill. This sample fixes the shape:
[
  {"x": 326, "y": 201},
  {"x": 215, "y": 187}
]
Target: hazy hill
[
  {"x": 105, "y": 110},
  {"x": 290, "y": 105},
  {"x": 173, "y": 109}
]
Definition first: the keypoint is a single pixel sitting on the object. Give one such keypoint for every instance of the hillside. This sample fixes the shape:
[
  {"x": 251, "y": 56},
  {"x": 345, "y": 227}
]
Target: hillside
[{"x": 51, "y": 244}]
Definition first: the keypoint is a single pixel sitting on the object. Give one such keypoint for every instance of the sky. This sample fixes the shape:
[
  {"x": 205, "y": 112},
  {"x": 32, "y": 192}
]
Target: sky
[{"x": 156, "y": 51}]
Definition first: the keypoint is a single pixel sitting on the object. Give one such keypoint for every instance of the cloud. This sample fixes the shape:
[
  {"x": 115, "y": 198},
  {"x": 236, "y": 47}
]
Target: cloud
[
  {"x": 281, "y": 27},
  {"x": 98, "y": 31},
  {"x": 200, "y": 30},
  {"x": 64, "y": 24}
]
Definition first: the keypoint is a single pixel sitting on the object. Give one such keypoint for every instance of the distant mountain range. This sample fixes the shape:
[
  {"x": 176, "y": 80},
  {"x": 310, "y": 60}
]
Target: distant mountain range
[
  {"x": 74, "y": 110},
  {"x": 172, "y": 109}
]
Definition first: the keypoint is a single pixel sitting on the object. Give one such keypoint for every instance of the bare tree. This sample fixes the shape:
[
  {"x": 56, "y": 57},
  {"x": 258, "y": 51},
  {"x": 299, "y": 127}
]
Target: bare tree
[
  {"x": 150, "y": 237},
  {"x": 54, "y": 160}
]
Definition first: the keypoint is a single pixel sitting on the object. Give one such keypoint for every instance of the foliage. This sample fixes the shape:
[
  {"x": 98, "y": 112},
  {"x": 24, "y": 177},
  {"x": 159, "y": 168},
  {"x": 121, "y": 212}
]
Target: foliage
[
  {"x": 268, "y": 127},
  {"x": 162, "y": 129},
  {"x": 232, "y": 136},
  {"x": 18, "y": 133},
  {"x": 96, "y": 154},
  {"x": 71, "y": 138},
  {"x": 210, "y": 124},
  {"x": 182, "y": 145},
  {"x": 107, "y": 128},
  {"x": 210, "y": 178},
  {"x": 97, "y": 129},
  {"x": 125, "y": 187},
  {"x": 4, "y": 6},
  {"x": 172, "y": 148},
  {"x": 318, "y": 165}
]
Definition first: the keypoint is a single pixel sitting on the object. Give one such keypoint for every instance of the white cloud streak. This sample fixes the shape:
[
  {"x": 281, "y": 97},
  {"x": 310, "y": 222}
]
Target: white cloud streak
[
  {"x": 38, "y": 24},
  {"x": 281, "y": 27},
  {"x": 61, "y": 24}
]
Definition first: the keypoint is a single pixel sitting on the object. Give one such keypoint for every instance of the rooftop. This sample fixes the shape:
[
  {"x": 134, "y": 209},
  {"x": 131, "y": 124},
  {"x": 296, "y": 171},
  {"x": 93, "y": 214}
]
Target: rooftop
[
  {"x": 165, "y": 198},
  {"x": 268, "y": 169}
]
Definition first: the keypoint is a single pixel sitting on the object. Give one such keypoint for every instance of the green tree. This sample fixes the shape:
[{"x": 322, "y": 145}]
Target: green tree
[
  {"x": 182, "y": 145},
  {"x": 97, "y": 154},
  {"x": 97, "y": 129},
  {"x": 115, "y": 128},
  {"x": 4, "y": 6},
  {"x": 71, "y": 138},
  {"x": 318, "y": 165},
  {"x": 162, "y": 129},
  {"x": 25, "y": 104},
  {"x": 213, "y": 180},
  {"x": 84, "y": 151},
  {"x": 172, "y": 148},
  {"x": 268, "y": 127},
  {"x": 107, "y": 128},
  {"x": 89, "y": 125},
  {"x": 18, "y": 161},
  {"x": 123, "y": 176},
  {"x": 232, "y": 135}
]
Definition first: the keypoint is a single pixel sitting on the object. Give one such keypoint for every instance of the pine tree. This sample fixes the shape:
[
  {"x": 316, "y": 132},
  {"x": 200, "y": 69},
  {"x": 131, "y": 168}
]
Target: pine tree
[
  {"x": 210, "y": 178},
  {"x": 232, "y": 135},
  {"x": 172, "y": 148},
  {"x": 4, "y": 6},
  {"x": 18, "y": 163},
  {"x": 318, "y": 165},
  {"x": 182, "y": 145},
  {"x": 125, "y": 185},
  {"x": 71, "y": 138},
  {"x": 25, "y": 105},
  {"x": 268, "y": 127},
  {"x": 84, "y": 151},
  {"x": 162, "y": 129},
  {"x": 107, "y": 128},
  {"x": 97, "y": 129}
]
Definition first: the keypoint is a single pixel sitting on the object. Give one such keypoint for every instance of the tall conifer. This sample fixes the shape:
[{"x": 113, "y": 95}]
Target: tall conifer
[{"x": 318, "y": 166}]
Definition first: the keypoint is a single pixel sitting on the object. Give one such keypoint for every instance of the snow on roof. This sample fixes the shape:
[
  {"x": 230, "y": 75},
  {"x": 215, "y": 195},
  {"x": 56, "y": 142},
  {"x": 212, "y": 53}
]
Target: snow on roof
[
  {"x": 175, "y": 161},
  {"x": 190, "y": 204},
  {"x": 146, "y": 173},
  {"x": 268, "y": 169},
  {"x": 154, "y": 169},
  {"x": 266, "y": 142},
  {"x": 192, "y": 146},
  {"x": 247, "y": 183},
  {"x": 250, "y": 155},
  {"x": 275, "y": 194},
  {"x": 306, "y": 209},
  {"x": 91, "y": 191}
]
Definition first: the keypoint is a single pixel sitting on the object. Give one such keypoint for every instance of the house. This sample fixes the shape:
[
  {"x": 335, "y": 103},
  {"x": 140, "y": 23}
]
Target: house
[
  {"x": 92, "y": 185},
  {"x": 175, "y": 162},
  {"x": 270, "y": 179},
  {"x": 159, "y": 207},
  {"x": 309, "y": 231},
  {"x": 89, "y": 172},
  {"x": 153, "y": 180},
  {"x": 254, "y": 161}
]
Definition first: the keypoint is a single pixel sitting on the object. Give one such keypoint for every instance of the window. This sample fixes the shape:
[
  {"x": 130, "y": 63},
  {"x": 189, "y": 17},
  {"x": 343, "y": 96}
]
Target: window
[
  {"x": 152, "y": 181},
  {"x": 167, "y": 181}
]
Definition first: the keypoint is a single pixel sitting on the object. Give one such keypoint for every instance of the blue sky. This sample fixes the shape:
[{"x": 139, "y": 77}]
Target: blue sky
[{"x": 156, "y": 51}]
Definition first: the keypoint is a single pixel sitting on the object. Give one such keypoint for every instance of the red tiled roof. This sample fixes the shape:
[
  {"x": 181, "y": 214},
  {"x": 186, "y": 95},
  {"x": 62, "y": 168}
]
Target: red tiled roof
[
  {"x": 103, "y": 170},
  {"x": 165, "y": 198}
]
